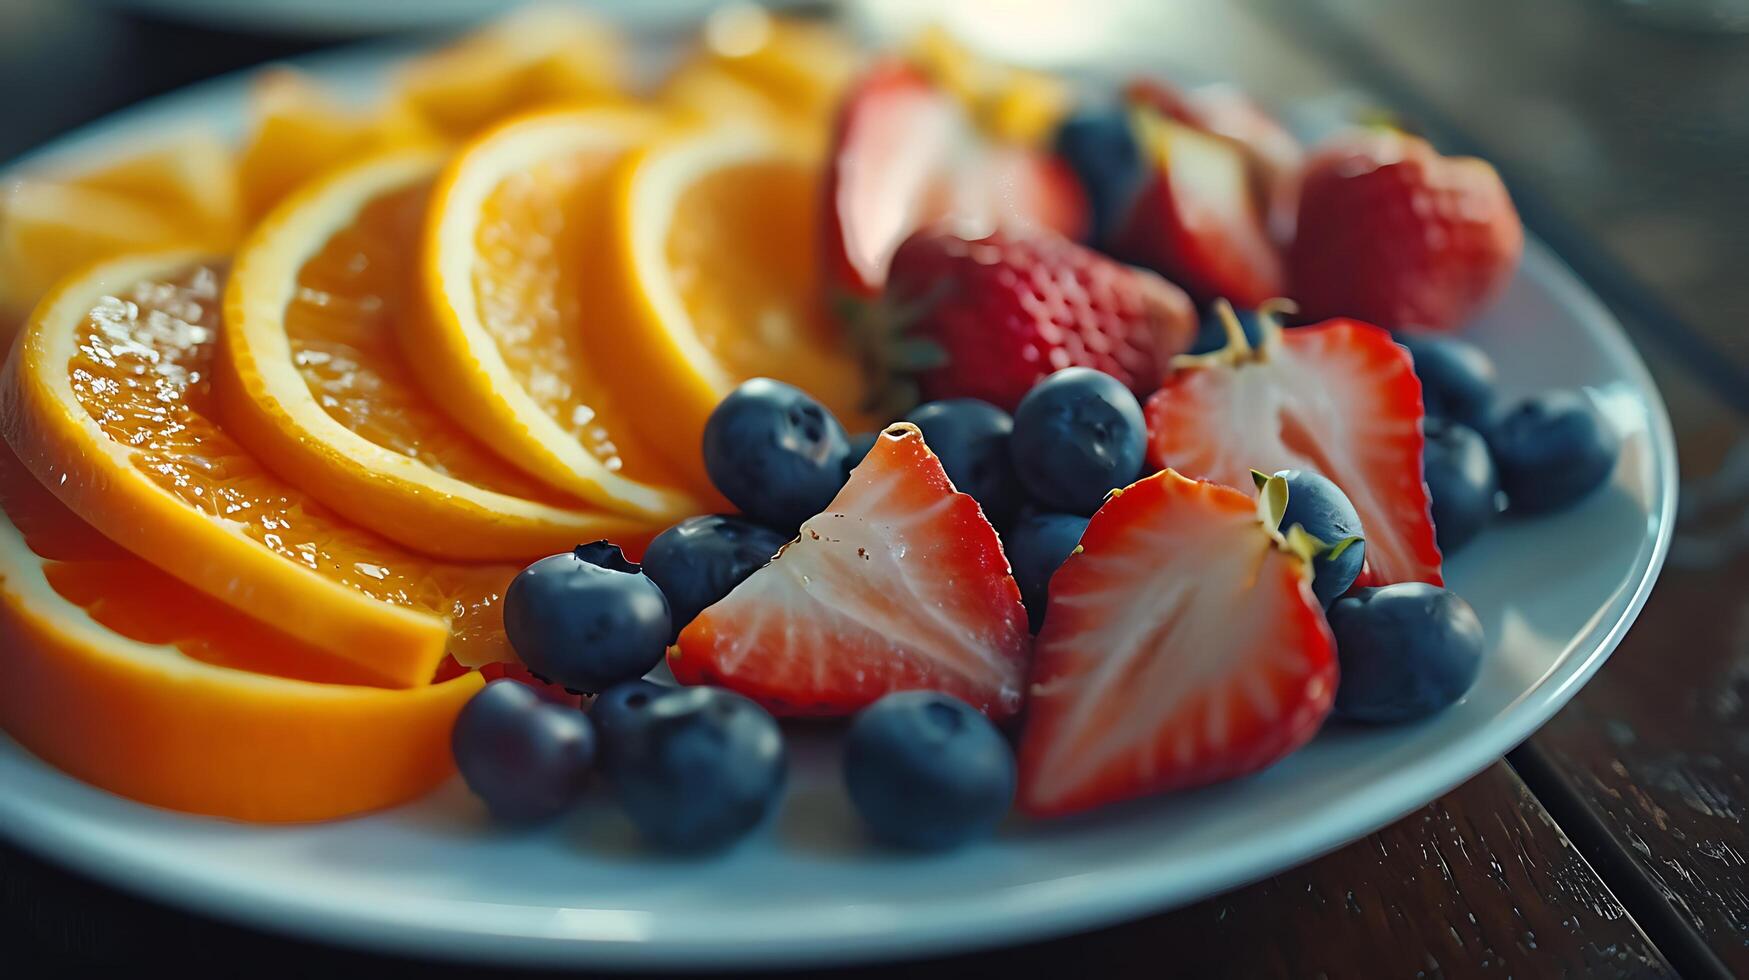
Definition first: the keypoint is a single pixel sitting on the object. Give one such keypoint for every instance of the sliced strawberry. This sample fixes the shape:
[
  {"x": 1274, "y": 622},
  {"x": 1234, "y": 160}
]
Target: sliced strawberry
[
  {"x": 1183, "y": 646},
  {"x": 1197, "y": 220},
  {"x": 905, "y": 153},
  {"x": 1274, "y": 154},
  {"x": 1339, "y": 398},
  {"x": 900, "y": 585}
]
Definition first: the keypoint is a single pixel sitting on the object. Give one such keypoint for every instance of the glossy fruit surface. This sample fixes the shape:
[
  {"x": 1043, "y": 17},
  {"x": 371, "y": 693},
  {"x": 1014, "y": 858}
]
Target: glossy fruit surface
[
  {"x": 775, "y": 452},
  {"x": 1457, "y": 378},
  {"x": 586, "y": 619},
  {"x": 1463, "y": 482},
  {"x": 1077, "y": 436},
  {"x": 697, "y": 770},
  {"x": 1183, "y": 646},
  {"x": 1552, "y": 449},
  {"x": 926, "y": 771},
  {"x": 970, "y": 437},
  {"x": 899, "y": 584},
  {"x": 700, "y": 560},
  {"x": 1406, "y": 651},
  {"x": 1324, "y": 511},
  {"x": 526, "y": 758},
  {"x": 1037, "y": 545}
]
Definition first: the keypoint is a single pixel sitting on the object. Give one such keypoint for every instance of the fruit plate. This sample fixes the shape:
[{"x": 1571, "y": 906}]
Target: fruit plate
[{"x": 434, "y": 879}]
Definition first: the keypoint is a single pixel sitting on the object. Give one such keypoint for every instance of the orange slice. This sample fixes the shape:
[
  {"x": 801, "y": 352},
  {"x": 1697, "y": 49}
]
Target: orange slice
[
  {"x": 312, "y": 378},
  {"x": 712, "y": 262},
  {"x": 514, "y": 226},
  {"x": 107, "y": 400},
  {"x": 538, "y": 56},
  {"x": 301, "y": 132},
  {"x": 749, "y": 63},
  {"x": 132, "y": 681},
  {"x": 182, "y": 193}
]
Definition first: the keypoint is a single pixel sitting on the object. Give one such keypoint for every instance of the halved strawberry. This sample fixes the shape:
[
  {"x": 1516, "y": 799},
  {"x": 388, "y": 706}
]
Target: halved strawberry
[
  {"x": 1183, "y": 646},
  {"x": 1274, "y": 154},
  {"x": 900, "y": 585},
  {"x": 1197, "y": 220},
  {"x": 1338, "y": 398},
  {"x": 905, "y": 153}
]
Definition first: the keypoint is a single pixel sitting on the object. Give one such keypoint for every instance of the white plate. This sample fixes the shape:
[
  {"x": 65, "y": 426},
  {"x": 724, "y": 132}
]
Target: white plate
[{"x": 433, "y": 879}]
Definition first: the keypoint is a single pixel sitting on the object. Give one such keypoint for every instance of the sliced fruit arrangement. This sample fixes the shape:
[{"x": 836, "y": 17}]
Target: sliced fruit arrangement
[
  {"x": 107, "y": 400},
  {"x": 513, "y": 221},
  {"x": 858, "y": 331},
  {"x": 906, "y": 153},
  {"x": 1339, "y": 399},
  {"x": 1183, "y": 646},
  {"x": 711, "y": 262},
  {"x": 899, "y": 583},
  {"x": 312, "y": 376},
  {"x": 202, "y": 708}
]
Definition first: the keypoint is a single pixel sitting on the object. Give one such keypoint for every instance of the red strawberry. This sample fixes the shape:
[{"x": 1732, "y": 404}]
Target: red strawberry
[
  {"x": 905, "y": 153},
  {"x": 1182, "y": 646},
  {"x": 1391, "y": 232},
  {"x": 901, "y": 584},
  {"x": 1222, "y": 110},
  {"x": 1197, "y": 218},
  {"x": 996, "y": 314},
  {"x": 1338, "y": 398}
]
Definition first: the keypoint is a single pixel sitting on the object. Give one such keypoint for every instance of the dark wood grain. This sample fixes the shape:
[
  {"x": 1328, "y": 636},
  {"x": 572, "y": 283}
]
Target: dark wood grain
[{"x": 1480, "y": 882}]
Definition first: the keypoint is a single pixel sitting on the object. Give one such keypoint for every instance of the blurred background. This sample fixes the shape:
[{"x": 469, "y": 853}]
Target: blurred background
[{"x": 1621, "y": 125}]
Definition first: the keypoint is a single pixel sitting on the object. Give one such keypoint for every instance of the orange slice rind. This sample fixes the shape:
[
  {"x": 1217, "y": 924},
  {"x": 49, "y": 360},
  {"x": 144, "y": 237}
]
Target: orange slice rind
[
  {"x": 114, "y": 697},
  {"x": 106, "y": 401},
  {"x": 312, "y": 378}
]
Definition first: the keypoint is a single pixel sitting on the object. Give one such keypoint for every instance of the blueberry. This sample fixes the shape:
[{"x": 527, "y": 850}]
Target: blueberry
[
  {"x": 1457, "y": 379},
  {"x": 697, "y": 769},
  {"x": 775, "y": 452},
  {"x": 1101, "y": 148},
  {"x": 1404, "y": 652},
  {"x": 1211, "y": 333},
  {"x": 860, "y": 444},
  {"x": 527, "y": 758},
  {"x": 1078, "y": 435},
  {"x": 586, "y": 619},
  {"x": 1551, "y": 450},
  {"x": 1037, "y": 546},
  {"x": 927, "y": 771},
  {"x": 1320, "y": 506},
  {"x": 699, "y": 560},
  {"x": 620, "y": 705},
  {"x": 971, "y": 439},
  {"x": 1460, "y": 477}
]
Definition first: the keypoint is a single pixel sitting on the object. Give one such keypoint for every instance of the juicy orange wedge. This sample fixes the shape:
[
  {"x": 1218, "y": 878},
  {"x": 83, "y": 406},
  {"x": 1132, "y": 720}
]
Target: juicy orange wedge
[
  {"x": 107, "y": 400},
  {"x": 311, "y": 376},
  {"x": 512, "y": 232},
  {"x": 711, "y": 260},
  {"x": 181, "y": 194},
  {"x": 130, "y": 680}
]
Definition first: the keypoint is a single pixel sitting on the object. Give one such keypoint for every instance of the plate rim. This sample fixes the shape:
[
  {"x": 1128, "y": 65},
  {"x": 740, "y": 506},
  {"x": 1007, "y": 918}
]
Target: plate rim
[{"x": 1016, "y": 913}]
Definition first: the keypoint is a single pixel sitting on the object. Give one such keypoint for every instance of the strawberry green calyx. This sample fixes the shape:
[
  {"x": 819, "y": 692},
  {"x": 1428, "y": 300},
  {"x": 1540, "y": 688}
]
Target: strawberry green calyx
[
  {"x": 1238, "y": 350},
  {"x": 1272, "y": 496}
]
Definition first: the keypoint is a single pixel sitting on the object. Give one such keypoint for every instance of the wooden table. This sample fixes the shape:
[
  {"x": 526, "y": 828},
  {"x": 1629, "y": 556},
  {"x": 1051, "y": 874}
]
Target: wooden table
[{"x": 1611, "y": 844}]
